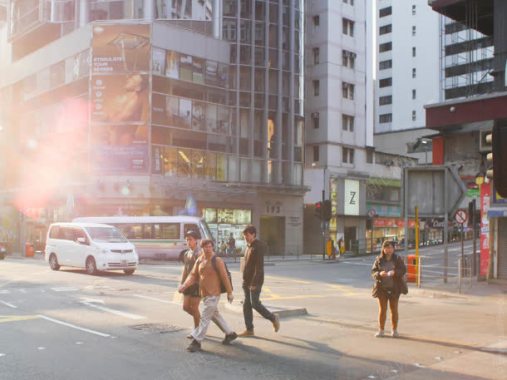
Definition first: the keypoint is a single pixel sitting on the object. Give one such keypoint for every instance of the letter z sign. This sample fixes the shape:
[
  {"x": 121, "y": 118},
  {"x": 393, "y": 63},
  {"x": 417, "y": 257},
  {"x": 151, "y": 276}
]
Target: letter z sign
[{"x": 351, "y": 202}]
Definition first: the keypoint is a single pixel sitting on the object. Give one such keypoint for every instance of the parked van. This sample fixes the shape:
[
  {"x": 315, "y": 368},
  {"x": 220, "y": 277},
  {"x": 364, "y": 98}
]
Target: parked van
[
  {"x": 155, "y": 237},
  {"x": 91, "y": 246}
]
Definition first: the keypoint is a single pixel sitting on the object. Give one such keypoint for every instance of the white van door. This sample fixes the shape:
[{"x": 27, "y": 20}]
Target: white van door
[{"x": 77, "y": 252}]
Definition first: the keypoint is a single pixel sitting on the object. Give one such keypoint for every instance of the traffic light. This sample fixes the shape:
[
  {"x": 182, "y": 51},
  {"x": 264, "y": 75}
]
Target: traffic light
[
  {"x": 498, "y": 156},
  {"x": 326, "y": 210},
  {"x": 318, "y": 210}
]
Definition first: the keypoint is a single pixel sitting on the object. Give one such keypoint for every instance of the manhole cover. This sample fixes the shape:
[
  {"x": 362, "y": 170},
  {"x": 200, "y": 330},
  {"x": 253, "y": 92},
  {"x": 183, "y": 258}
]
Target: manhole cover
[{"x": 160, "y": 328}]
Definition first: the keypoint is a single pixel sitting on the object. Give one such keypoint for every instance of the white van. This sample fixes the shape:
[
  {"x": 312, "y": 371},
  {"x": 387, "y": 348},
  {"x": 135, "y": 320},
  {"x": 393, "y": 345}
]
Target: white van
[
  {"x": 155, "y": 237},
  {"x": 91, "y": 246}
]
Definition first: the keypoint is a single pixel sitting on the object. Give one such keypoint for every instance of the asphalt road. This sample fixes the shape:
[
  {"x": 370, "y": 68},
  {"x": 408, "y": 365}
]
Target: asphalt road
[{"x": 69, "y": 325}]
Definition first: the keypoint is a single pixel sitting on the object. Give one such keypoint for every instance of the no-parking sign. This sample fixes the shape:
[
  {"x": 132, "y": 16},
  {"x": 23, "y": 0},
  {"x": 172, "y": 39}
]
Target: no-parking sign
[{"x": 461, "y": 217}]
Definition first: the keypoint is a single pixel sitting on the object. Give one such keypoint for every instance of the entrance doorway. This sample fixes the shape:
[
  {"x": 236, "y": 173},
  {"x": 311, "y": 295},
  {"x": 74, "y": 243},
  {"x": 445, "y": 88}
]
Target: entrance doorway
[
  {"x": 272, "y": 232},
  {"x": 350, "y": 236}
]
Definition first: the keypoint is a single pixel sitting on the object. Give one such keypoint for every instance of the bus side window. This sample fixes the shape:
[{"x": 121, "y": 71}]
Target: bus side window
[
  {"x": 170, "y": 231},
  {"x": 147, "y": 231}
]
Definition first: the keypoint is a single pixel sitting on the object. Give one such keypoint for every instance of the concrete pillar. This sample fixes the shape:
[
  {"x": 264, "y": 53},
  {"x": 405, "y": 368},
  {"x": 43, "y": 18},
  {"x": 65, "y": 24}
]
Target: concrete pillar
[
  {"x": 149, "y": 10},
  {"x": 84, "y": 13},
  {"x": 217, "y": 19}
]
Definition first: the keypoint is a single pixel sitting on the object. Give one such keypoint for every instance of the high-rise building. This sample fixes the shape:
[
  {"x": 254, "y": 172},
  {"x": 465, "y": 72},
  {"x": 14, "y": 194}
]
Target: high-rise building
[
  {"x": 408, "y": 61},
  {"x": 338, "y": 110},
  {"x": 144, "y": 107}
]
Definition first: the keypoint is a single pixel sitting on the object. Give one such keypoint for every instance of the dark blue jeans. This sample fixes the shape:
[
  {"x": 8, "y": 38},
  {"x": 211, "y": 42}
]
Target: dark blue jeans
[{"x": 252, "y": 302}]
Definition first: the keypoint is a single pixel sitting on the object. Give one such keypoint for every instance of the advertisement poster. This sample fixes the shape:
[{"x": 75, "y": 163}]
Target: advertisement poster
[
  {"x": 120, "y": 98},
  {"x": 484, "y": 237}
]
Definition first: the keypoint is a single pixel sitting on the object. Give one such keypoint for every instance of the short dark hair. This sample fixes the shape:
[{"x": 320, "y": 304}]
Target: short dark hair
[
  {"x": 193, "y": 234},
  {"x": 250, "y": 229},
  {"x": 205, "y": 242}
]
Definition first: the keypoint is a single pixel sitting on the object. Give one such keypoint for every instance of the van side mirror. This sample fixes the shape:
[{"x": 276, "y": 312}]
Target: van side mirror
[{"x": 82, "y": 240}]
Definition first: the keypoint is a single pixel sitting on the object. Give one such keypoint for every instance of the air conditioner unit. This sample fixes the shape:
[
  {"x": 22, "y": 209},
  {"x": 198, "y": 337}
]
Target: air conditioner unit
[{"x": 483, "y": 145}]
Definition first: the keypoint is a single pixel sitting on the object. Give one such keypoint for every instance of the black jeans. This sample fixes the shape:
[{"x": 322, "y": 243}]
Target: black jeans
[{"x": 252, "y": 301}]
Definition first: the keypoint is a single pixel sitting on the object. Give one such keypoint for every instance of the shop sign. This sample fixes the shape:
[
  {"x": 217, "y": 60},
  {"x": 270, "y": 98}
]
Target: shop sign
[{"x": 351, "y": 206}]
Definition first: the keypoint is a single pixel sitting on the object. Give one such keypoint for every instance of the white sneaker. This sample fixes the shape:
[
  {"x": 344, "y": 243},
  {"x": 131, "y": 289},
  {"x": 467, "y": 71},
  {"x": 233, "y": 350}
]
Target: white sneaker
[
  {"x": 379, "y": 334},
  {"x": 395, "y": 334}
]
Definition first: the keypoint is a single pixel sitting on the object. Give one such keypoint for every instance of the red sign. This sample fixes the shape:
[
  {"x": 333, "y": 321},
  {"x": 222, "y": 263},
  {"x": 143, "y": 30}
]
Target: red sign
[
  {"x": 484, "y": 251},
  {"x": 392, "y": 223}
]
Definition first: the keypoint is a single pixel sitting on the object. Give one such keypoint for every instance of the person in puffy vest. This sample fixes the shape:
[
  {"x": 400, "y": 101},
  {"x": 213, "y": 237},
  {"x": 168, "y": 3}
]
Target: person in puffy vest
[{"x": 387, "y": 272}]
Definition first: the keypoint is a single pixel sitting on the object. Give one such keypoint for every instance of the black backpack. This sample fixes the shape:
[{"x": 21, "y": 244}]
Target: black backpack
[{"x": 222, "y": 286}]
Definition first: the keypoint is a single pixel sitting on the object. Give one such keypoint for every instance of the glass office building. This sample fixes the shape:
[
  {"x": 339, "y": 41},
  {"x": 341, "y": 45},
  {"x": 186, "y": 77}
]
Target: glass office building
[{"x": 155, "y": 107}]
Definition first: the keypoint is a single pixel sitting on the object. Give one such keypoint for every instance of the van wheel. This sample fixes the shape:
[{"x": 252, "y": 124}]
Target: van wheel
[
  {"x": 91, "y": 267},
  {"x": 129, "y": 271},
  {"x": 53, "y": 262}
]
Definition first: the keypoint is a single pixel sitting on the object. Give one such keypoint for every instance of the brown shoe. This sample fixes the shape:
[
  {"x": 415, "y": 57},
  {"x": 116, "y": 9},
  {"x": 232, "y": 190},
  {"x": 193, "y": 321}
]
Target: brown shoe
[
  {"x": 276, "y": 323},
  {"x": 246, "y": 333}
]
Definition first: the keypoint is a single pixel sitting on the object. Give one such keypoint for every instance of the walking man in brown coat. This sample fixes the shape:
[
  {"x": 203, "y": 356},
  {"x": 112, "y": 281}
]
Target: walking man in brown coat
[
  {"x": 253, "y": 279},
  {"x": 210, "y": 276}
]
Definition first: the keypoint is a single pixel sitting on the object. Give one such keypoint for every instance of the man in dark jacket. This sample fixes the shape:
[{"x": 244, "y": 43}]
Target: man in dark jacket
[{"x": 253, "y": 278}]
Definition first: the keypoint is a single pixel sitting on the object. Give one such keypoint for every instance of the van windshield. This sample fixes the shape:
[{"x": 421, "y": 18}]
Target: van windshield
[{"x": 106, "y": 234}]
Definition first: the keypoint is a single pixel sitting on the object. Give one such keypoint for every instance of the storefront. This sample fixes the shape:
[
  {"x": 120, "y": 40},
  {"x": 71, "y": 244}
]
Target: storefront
[
  {"x": 226, "y": 221},
  {"x": 387, "y": 229}
]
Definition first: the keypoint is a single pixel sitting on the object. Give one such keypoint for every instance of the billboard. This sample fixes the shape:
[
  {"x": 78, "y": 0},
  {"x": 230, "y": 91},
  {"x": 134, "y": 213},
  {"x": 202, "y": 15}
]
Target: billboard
[{"x": 120, "y": 98}]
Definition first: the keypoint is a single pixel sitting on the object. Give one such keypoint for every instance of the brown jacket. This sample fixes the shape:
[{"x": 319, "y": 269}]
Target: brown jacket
[{"x": 209, "y": 279}]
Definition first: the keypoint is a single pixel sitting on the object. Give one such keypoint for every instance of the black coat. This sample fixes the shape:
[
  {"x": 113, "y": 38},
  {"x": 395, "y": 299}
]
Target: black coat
[
  {"x": 253, "y": 271},
  {"x": 399, "y": 271}
]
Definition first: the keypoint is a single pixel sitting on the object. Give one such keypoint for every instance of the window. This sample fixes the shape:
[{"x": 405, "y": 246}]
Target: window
[
  {"x": 413, "y": 30},
  {"x": 383, "y": 65},
  {"x": 351, "y": 2},
  {"x": 414, "y": 116},
  {"x": 316, "y": 87},
  {"x": 413, "y": 51},
  {"x": 316, "y": 20},
  {"x": 386, "y": 82},
  {"x": 414, "y": 93},
  {"x": 385, "y": 118},
  {"x": 385, "y": 47},
  {"x": 385, "y": 12},
  {"x": 348, "y": 59},
  {"x": 383, "y": 100},
  {"x": 348, "y": 123},
  {"x": 414, "y": 72},
  {"x": 348, "y": 27},
  {"x": 413, "y": 9},
  {"x": 315, "y": 118},
  {"x": 348, "y": 90},
  {"x": 347, "y": 155},
  {"x": 316, "y": 153},
  {"x": 385, "y": 29},
  {"x": 316, "y": 55}
]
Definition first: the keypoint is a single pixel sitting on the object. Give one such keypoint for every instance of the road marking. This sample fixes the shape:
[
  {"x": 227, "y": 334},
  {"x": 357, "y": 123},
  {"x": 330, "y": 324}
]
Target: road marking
[
  {"x": 113, "y": 311},
  {"x": 73, "y": 326},
  {"x": 4, "y": 291},
  {"x": 15, "y": 318},
  {"x": 157, "y": 299},
  {"x": 8, "y": 304},
  {"x": 64, "y": 289}
]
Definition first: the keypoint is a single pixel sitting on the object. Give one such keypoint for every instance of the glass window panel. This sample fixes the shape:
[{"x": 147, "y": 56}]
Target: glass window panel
[{"x": 211, "y": 117}]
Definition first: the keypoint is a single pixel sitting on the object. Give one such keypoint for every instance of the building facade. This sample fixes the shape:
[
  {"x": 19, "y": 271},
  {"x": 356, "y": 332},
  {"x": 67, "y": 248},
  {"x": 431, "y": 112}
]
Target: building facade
[
  {"x": 408, "y": 62},
  {"x": 339, "y": 110},
  {"x": 463, "y": 122},
  {"x": 155, "y": 107}
]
